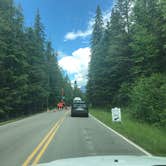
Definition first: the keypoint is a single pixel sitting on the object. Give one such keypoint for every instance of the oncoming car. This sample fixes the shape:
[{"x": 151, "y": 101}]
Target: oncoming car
[{"x": 79, "y": 108}]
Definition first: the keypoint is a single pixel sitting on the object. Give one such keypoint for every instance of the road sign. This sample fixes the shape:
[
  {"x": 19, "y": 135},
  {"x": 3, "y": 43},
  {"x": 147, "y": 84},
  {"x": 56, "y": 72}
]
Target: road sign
[{"x": 116, "y": 114}]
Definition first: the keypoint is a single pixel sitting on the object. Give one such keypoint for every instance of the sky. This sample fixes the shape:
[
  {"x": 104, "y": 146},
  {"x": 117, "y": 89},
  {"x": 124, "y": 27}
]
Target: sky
[{"x": 68, "y": 25}]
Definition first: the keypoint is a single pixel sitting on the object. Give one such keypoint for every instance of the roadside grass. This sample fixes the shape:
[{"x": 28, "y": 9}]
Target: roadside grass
[{"x": 147, "y": 136}]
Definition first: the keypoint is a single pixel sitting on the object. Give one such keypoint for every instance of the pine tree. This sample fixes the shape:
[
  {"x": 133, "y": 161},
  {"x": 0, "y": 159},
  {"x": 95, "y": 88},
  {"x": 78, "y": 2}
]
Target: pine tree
[
  {"x": 97, "y": 29},
  {"x": 94, "y": 66},
  {"x": 160, "y": 27},
  {"x": 68, "y": 91},
  {"x": 54, "y": 76},
  {"x": 30, "y": 76},
  {"x": 146, "y": 38},
  {"x": 40, "y": 72},
  {"x": 14, "y": 78},
  {"x": 119, "y": 52}
]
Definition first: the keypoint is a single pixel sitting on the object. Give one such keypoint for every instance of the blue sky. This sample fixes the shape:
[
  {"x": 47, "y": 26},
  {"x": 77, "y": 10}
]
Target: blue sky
[{"x": 68, "y": 24}]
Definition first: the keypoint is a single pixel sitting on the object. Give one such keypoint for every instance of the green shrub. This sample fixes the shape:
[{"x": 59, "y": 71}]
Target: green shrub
[
  {"x": 123, "y": 95},
  {"x": 162, "y": 116},
  {"x": 148, "y": 99}
]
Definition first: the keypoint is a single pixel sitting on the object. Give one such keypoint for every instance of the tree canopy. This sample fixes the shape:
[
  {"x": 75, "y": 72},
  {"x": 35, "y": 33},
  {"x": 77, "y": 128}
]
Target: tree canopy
[
  {"x": 130, "y": 47},
  {"x": 31, "y": 80}
]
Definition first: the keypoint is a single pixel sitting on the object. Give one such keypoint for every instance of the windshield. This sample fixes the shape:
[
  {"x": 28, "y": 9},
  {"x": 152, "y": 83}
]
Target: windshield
[{"x": 82, "y": 78}]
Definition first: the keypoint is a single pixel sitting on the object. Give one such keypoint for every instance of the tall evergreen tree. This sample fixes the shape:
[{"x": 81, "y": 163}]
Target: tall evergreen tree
[
  {"x": 110, "y": 66},
  {"x": 54, "y": 76},
  {"x": 40, "y": 72},
  {"x": 12, "y": 57},
  {"x": 146, "y": 38},
  {"x": 119, "y": 52},
  {"x": 129, "y": 54},
  {"x": 97, "y": 34},
  {"x": 30, "y": 76}
]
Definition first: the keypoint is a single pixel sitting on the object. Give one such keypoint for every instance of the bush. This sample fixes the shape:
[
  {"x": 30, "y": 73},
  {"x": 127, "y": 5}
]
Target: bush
[
  {"x": 163, "y": 118},
  {"x": 123, "y": 96},
  {"x": 148, "y": 99}
]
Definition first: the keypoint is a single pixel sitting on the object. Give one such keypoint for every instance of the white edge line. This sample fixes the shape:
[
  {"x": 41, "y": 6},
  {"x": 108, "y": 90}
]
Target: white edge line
[{"x": 127, "y": 140}]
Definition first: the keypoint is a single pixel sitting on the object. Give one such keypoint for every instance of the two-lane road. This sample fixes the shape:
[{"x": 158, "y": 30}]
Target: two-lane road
[{"x": 55, "y": 135}]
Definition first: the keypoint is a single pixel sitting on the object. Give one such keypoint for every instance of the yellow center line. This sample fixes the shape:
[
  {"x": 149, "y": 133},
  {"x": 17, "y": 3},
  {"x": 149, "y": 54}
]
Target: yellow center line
[
  {"x": 39, "y": 146},
  {"x": 30, "y": 157},
  {"x": 46, "y": 144}
]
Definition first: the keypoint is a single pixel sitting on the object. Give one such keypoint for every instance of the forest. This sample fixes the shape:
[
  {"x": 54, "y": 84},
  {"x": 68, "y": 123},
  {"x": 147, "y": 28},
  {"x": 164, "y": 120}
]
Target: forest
[
  {"x": 128, "y": 61},
  {"x": 127, "y": 67},
  {"x": 31, "y": 80}
]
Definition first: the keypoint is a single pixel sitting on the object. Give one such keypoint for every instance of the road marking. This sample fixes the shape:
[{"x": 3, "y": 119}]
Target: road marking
[
  {"x": 39, "y": 145},
  {"x": 47, "y": 143},
  {"x": 127, "y": 140},
  {"x": 43, "y": 141}
]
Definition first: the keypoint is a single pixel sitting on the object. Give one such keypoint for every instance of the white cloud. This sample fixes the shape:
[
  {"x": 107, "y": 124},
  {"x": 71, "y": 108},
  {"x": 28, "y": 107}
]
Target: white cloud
[
  {"x": 82, "y": 34},
  {"x": 69, "y": 64},
  {"x": 77, "y": 64},
  {"x": 79, "y": 33}
]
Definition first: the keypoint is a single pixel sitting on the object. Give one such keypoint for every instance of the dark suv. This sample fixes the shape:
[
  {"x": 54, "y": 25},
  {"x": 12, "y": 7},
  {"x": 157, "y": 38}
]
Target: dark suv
[{"x": 79, "y": 108}]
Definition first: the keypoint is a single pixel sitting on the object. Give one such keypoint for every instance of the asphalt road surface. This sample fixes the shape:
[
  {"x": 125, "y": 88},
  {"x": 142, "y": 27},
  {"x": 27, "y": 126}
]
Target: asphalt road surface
[{"x": 56, "y": 135}]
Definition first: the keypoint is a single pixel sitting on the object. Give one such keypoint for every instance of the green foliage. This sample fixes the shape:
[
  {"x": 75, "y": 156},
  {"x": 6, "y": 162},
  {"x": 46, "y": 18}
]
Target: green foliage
[
  {"x": 148, "y": 98},
  {"x": 94, "y": 67},
  {"x": 97, "y": 29},
  {"x": 110, "y": 62},
  {"x": 31, "y": 80},
  {"x": 131, "y": 46},
  {"x": 123, "y": 96}
]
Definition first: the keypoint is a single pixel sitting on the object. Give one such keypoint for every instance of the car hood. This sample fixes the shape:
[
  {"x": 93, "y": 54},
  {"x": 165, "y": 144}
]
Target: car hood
[{"x": 109, "y": 161}]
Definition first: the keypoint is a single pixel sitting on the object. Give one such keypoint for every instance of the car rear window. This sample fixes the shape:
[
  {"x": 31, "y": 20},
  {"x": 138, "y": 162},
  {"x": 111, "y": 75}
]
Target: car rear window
[{"x": 79, "y": 105}]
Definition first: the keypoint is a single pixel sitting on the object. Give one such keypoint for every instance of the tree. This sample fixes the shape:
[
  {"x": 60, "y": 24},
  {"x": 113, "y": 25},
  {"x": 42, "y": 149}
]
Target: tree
[
  {"x": 119, "y": 52},
  {"x": 110, "y": 62},
  {"x": 68, "y": 91},
  {"x": 131, "y": 48},
  {"x": 13, "y": 58},
  {"x": 54, "y": 76},
  {"x": 148, "y": 99},
  {"x": 30, "y": 76},
  {"x": 97, "y": 34},
  {"x": 39, "y": 65},
  {"x": 147, "y": 43}
]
